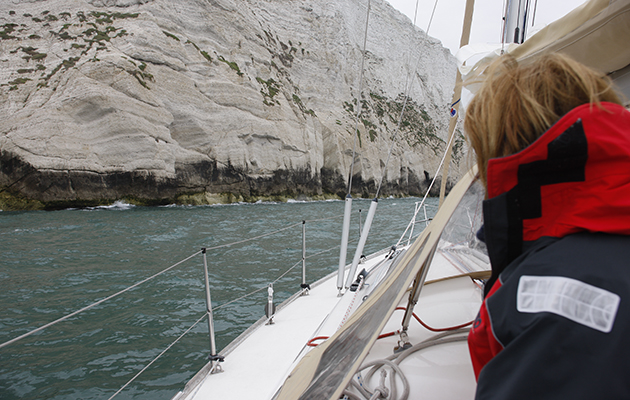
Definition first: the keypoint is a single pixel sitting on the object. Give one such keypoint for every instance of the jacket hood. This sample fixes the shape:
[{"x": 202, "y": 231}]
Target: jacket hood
[{"x": 574, "y": 178}]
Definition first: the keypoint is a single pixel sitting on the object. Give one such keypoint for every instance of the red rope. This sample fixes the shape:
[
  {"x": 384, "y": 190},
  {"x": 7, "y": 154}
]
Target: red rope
[
  {"x": 311, "y": 343},
  {"x": 450, "y": 328}
]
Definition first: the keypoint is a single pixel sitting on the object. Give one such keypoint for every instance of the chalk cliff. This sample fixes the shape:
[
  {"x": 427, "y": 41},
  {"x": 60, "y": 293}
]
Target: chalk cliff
[{"x": 193, "y": 101}]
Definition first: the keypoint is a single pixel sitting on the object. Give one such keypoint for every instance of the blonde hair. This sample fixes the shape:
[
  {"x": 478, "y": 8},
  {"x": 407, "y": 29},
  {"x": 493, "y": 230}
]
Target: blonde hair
[{"x": 518, "y": 103}]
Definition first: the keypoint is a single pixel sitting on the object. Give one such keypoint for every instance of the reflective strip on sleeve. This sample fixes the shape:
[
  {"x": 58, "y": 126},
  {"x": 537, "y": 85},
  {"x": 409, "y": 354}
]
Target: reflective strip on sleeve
[{"x": 578, "y": 301}]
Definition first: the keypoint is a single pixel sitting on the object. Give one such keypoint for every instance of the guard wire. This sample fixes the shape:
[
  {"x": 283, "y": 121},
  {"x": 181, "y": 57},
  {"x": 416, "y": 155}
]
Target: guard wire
[
  {"x": 228, "y": 303},
  {"x": 96, "y": 303},
  {"x": 41, "y": 328},
  {"x": 158, "y": 356}
]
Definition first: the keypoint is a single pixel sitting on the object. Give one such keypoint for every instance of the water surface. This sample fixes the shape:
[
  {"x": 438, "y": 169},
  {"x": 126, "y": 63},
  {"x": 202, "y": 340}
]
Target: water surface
[{"x": 54, "y": 263}]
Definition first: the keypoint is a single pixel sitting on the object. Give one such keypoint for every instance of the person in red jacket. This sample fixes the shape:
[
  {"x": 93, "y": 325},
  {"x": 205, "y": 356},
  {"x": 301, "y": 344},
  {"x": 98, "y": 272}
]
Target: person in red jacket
[{"x": 552, "y": 142}]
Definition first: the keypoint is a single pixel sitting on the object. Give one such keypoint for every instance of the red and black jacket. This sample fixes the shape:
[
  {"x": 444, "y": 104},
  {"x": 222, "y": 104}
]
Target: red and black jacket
[{"x": 558, "y": 215}]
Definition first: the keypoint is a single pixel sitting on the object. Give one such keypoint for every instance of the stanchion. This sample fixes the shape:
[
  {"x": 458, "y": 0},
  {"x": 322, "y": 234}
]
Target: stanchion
[
  {"x": 214, "y": 357},
  {"x": 305, "y": 287}
]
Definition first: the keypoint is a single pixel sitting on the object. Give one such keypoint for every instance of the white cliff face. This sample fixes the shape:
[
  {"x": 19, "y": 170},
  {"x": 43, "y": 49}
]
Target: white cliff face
[{"x": 107, "y": 99}]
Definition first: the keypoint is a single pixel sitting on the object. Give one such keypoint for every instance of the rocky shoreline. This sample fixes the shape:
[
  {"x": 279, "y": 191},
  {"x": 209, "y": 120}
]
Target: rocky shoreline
[{"x": 53, "y": 190}]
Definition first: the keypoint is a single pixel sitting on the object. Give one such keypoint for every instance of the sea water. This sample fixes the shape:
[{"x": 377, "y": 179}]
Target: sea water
[{"x": 54, "y": 263}]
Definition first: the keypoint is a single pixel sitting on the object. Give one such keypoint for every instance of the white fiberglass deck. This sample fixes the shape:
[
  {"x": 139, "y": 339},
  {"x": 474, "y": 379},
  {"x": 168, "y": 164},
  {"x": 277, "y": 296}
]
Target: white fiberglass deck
[{"x": 259, "y": 365}]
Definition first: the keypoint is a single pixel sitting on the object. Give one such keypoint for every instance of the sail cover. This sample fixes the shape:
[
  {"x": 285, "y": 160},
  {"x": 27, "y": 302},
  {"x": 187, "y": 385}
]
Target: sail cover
[
  {"x": 595, "y": 34},
  {"x": 325, "y": 371}
]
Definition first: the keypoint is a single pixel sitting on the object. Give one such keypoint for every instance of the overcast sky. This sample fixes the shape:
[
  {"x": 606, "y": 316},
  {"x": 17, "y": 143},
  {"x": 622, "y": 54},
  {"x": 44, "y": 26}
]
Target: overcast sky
[{"x": 486, "y": 26}]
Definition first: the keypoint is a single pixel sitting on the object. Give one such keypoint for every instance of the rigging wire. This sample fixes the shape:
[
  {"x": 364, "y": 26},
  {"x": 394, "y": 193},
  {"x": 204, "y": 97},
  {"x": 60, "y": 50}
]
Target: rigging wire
[
  {"x": 409, "y": 85},
  {"x": 410, "y": 79},
  {"x": 413, "y": 221},
  {"x": 415, "y": 13},
  {"x": 432, "y": 15},
  {"x": 430, "y": 185},
  {"x": 357, "y": 114},
  {"x": 372, "y": 211},
  {"x": 348, "y": 202}
]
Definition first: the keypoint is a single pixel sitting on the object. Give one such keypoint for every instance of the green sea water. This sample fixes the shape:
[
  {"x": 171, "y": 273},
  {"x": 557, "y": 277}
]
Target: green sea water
[{"x": 54, "y": 263}]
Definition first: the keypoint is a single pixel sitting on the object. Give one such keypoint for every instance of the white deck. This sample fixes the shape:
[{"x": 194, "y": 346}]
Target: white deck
[{"x": 257, "y": 368}]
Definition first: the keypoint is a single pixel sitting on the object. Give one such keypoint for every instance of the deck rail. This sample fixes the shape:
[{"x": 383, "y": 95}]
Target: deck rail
[{"x": 214, "y": 357}]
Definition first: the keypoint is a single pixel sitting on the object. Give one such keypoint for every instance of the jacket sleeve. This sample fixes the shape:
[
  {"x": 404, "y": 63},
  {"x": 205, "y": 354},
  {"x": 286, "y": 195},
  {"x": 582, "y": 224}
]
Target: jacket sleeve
[{"x": 482, "y": 343}]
